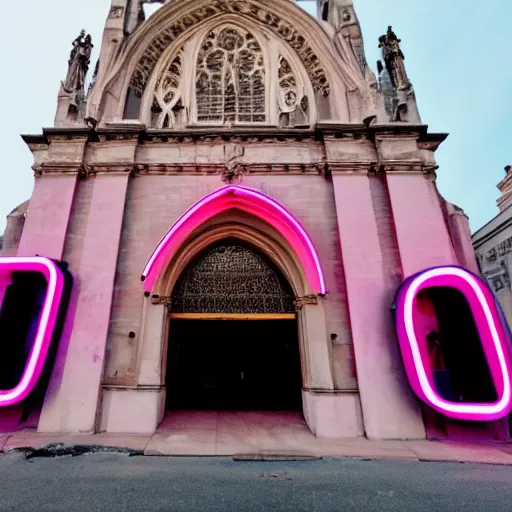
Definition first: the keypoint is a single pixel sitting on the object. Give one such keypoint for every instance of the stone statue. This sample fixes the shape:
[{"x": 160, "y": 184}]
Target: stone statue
[
  {"x": 233, "y": 170},
  {"x": 79, "y": 60},
  {"x": 394, "y": 60}
]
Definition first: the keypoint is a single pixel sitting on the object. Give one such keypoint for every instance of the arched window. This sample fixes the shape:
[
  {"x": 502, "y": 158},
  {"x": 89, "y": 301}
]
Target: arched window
[
  {"x": 232, "y": 277},
  {"x": 230, "y": 78},
  {"x": 224, "y": 76}
]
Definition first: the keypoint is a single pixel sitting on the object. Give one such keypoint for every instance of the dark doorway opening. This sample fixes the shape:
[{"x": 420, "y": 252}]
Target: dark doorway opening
[
  {"x": 461, "y": 372},
  {"x": 234, "y": 365}
]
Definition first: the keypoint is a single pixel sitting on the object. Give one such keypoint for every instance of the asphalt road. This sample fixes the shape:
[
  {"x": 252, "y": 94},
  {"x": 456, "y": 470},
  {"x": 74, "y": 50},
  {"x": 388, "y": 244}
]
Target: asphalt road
[{"x": 116, "y": 482}]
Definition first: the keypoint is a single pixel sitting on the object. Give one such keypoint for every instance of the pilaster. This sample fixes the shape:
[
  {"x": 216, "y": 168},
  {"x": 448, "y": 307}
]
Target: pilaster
[
  {"x": 389, "y": 408},
  {"x": 58, "y": 162},
  {"x": 73, "y": 398},
  {"x": 315, "y": 344},
  {"x": 422, "y": 233}
]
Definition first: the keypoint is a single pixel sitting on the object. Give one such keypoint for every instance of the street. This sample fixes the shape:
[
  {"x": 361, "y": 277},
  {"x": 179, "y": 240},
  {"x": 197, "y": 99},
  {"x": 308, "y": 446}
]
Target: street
[{"x": 116, "y": 482}]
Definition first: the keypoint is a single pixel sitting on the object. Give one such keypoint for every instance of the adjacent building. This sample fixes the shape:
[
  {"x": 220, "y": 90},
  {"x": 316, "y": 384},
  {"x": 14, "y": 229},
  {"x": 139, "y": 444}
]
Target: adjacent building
[{"x": 493, "y": 247}]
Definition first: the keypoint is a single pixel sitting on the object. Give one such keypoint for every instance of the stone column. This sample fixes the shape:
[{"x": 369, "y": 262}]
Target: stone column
[
  {"x": 57, "y": 166},
  {"x": 422, "y": 233},
  {"x": 315, "y": 347},
  {"x": 57, "y": 162},
  {"x": 150, "y": 355},
  {"x": 328, "y": 413},
  {"x": 389, "y": 408},
  {"x": 73, "y": 396},
  {"x": 71, "y": 404}
]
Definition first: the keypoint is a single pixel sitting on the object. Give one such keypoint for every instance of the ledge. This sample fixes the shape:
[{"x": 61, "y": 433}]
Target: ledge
[{"x": 319, "y": 133}]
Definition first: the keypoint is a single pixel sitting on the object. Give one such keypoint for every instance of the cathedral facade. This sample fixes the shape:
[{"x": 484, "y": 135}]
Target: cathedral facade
[{"x": 237, "y": 199}]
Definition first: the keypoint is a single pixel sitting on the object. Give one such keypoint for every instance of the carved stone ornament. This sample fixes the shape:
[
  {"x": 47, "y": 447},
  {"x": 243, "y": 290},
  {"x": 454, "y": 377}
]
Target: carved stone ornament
[
  {"x": 78, "y": 63},
  {"x": 162, "y": 299},
  {"x": 300, "y": 302},
  {"x": 233, "y": 170},
  {"x": 257, "y": 12},
  {"x": 116, "y": 12}
]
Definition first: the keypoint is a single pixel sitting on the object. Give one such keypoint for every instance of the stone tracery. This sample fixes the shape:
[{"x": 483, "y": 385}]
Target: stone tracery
[
  {"x": 225, "y": 75},
  {"x": 167, "y": 105},
  {"x": 230, "y": 78},
  {"x": 293, "y": 103},
  {"x": 281, "y": 28}
]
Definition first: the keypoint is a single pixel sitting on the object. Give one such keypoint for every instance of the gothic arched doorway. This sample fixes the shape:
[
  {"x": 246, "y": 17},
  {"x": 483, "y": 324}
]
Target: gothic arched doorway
[{"x": 233, "y": 337}]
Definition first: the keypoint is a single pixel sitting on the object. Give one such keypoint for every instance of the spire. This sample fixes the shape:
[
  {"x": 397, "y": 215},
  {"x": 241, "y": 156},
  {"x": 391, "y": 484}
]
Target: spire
[{"x": 341, "y": 15}]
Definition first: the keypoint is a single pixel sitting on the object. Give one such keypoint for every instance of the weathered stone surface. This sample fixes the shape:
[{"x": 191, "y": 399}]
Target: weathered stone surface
[{"x": 110, "y": 188}]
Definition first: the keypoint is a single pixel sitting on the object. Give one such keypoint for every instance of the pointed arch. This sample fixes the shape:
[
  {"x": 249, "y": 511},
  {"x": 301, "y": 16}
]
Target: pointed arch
[
  {"x": 247, "y": 200},
  {"x": 136, "y": 60}
]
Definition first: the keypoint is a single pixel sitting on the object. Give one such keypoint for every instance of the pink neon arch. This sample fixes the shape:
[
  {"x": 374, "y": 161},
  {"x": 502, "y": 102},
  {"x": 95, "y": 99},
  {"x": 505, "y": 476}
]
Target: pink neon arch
[
  {"x": 494, "y": 336},
  {"x": 250, "y": 201}
]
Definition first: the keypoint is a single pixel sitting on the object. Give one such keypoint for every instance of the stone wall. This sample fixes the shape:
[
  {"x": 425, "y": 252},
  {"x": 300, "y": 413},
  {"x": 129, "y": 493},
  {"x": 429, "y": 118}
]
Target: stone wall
[{"x": 154, "y": 203}]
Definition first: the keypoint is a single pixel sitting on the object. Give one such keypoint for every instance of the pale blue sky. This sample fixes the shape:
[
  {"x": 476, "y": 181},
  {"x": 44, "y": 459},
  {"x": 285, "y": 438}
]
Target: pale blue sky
[{"x": 458, "y": 57}]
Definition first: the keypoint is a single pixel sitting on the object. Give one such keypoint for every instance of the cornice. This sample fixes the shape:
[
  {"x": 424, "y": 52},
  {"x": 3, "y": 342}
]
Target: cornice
[
  {"x": 220, "y": 168},
  {"x": 374, "y": 168},
  {"x": 35, "y": 140},
  {"x": 321, "y": 132},
  {"x": 68, "y": 134},
  {"x": 425, "y": 139}
]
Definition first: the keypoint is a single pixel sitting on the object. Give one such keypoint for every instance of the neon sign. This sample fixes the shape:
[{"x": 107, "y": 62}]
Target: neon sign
[
  {"x": 248, "y": 200},
  {"x": 52, "y": 308},
  {"x": 492, "y": 330}
]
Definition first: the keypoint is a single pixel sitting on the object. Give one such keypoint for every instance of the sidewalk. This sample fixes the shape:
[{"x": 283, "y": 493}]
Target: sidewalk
[
  {"x": 257, "y": 435},
  {"x": 359, "y": 448}
]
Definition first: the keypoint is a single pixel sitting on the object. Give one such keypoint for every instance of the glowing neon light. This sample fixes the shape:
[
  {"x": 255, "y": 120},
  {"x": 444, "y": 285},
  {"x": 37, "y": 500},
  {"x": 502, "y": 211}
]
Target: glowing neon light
[
  {"x": 47, "y": 320},
  {"x": 248, "y": 200},
  {"x": 494, "y": 336}
]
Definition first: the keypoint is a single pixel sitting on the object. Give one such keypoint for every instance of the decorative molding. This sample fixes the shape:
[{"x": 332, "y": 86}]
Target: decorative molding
[
  {"x": 104, "y": 136},
  {"x": 220, "y": 169},
  {"x": 331, "y": 391},
  {"x": 116, "y": 12},
  {"x": 429, "y": 145},
  {"x": 58, "y": 168},
  {"x": 306, "y": 300},
  {"x": 282, "y": 28},
  {"x": 162, "y": 299},
  {"x": 237, "y": 160},
  {"x": 386, "y": 167},
  {"x": 84, "y": 170}
]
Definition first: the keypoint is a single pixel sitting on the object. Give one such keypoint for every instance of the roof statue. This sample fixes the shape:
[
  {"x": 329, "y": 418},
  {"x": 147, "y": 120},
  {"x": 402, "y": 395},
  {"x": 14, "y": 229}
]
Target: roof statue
[
  {"x": 394, "y": 59},
  {"x": 398, "y": 92},
  {"x": 78, "y": 63}
]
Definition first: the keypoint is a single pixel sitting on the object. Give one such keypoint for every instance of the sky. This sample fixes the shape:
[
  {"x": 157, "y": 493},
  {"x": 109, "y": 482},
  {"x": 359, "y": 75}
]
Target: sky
[{"x": 458, "y": 57}]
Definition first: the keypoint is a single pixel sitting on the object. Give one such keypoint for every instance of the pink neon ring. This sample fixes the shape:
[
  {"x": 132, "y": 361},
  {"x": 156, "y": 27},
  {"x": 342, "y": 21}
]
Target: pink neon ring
[
  {"x": 47, "y": 320},
  {"x": 494, "y": 336}
]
